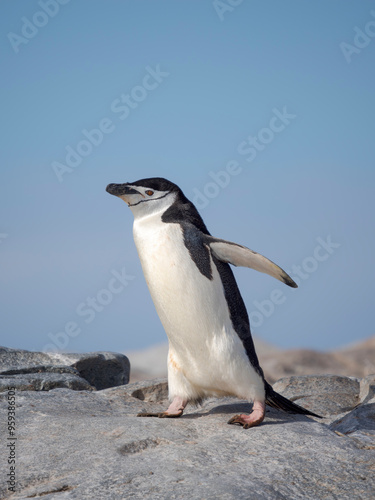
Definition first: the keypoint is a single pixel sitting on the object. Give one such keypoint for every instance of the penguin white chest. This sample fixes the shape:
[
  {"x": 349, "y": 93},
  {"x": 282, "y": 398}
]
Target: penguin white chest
[{"x": 189, "y": 304}]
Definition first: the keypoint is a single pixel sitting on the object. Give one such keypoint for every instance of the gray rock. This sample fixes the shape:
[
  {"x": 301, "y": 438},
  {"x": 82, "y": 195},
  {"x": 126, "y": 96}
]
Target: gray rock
[
  {"x": 322, "y": 394},
  {"x": 90, "y": 445},
  {"x": 99, "y": 369},
  {"x": 43, "y": 378},
  {"x": 358, "y": 424},
  {"x": 367, "y": 389},
  {"x": 103, "y": 369},
  {"x": 39, "y": 369},
  {"x": 15, "y": 358},
  {"x": 44, "y": 381},
  {"x": 153, "y": 391}
]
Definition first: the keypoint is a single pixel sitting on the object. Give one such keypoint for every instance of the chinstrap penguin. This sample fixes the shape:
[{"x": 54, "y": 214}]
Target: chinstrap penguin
[{"x": 211, "y": 350}]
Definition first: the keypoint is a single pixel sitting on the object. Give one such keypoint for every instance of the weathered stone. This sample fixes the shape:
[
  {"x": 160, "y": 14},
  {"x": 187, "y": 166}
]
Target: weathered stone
[
  {"x": 43, "y": 378},
  {"x": 40, "y": 369},
  {"x": 44, "y": 381},
  {"x": 15, "y": 358},
  {"x": 367, "y": 392},
  {"x": 90, "y": 445},
  {"x": 358, "y": 424},
  {"x": 103, "y": 369},
  {"x": 149, "y": 390},
  {"x": 100, "y": 369},
  {"x": 322, "y": 394}
]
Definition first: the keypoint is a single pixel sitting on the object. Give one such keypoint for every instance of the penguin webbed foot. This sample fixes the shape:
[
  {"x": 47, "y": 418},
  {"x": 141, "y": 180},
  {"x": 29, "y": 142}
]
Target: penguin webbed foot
[
  {"x": 255, "y": 418},
  {"x": 163, "y": 414},
  {"x": 175, "y": 410}
]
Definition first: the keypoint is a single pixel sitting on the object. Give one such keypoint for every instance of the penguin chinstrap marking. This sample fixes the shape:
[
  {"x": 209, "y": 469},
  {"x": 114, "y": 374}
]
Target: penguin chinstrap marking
[{"x": 211, "y": 350}]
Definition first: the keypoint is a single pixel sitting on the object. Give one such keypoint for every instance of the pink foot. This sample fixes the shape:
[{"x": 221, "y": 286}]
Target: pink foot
[
  {"x": 175, "y": 409},
  {"x": 256, "y": 417}
]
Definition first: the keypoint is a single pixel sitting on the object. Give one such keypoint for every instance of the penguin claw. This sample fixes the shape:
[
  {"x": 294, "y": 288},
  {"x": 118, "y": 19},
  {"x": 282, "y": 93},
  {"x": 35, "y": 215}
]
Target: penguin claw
[
  {"x": 147, "y": 414},
  {"x": 236, "y": 420},
  {"x": 162, "y": 414},
  {"x": 170, "y": 415},
  {"x": 246, "y": 421}
]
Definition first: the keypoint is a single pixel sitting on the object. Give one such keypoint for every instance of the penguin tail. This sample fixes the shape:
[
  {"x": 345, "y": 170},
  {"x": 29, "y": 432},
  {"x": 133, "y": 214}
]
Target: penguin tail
[{"x": 278, "y": 401}]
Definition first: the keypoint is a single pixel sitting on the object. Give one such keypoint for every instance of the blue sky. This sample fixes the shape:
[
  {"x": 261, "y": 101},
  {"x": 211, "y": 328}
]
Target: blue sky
[{"x": 262, "y": 112}]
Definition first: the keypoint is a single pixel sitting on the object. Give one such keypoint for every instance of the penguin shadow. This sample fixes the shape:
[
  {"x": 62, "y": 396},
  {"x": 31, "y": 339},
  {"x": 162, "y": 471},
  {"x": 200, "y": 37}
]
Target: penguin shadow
[{"x": 272, "y": 417}]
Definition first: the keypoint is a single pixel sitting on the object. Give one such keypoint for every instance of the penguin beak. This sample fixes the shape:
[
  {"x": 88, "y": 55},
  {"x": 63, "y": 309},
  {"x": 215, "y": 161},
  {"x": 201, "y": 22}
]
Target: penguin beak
[
  {"x": 123, "y": 191},
  {"x": 120, "y": 189}
]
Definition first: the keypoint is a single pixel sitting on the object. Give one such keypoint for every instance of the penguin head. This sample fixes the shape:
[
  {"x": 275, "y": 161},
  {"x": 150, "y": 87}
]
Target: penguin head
[
  {"x": 157, "y": 195},
  {"x": 146, "y": 195}
]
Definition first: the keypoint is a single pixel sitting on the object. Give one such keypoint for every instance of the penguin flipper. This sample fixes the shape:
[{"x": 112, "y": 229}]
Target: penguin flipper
[{"x": 238, "y": 255}]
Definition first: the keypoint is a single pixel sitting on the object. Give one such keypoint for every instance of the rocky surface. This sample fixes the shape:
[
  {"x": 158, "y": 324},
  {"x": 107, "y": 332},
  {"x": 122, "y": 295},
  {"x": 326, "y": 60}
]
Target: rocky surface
[
  {"x": 91, "y": 445},
  {"x": 40, "y": 371}
]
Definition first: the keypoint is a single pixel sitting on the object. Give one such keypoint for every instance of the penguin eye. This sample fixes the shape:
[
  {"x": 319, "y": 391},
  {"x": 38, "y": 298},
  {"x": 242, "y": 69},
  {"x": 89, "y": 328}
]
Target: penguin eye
[{"x": 149, "y": 192}]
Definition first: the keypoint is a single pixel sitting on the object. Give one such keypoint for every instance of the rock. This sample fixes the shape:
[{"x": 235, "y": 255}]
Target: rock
[
  {"x": 367, "y": 390},
  {"x": 322, "y": 394},
  {"x": 16, "y": 358},
  {"x": 358, "y": 424},
  {"x": 103, "y": 369},
  {"x": 43, "y": 378},
  {"x": 153, "y": 391},
  {"x": 90, "y": 445},
  {"x": 43, "y": 382},
  {"x": 97, "y": 369}
]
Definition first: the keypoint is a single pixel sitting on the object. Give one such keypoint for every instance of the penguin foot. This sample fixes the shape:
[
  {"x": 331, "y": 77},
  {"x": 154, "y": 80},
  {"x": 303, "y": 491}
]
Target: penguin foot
[
  {"x": 163, "y": 414},
  {"x": 175, "y": 409},
  {"x": 256, "y": 417}
]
